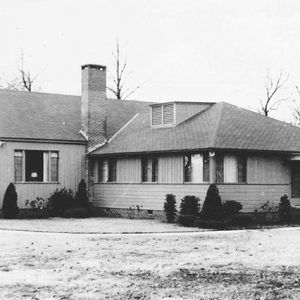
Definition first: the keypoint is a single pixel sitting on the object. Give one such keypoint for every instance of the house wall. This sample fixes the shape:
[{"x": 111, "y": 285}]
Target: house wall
[
  {"x": 268, "y": 178},
  {"x": 70, "y": 172}
]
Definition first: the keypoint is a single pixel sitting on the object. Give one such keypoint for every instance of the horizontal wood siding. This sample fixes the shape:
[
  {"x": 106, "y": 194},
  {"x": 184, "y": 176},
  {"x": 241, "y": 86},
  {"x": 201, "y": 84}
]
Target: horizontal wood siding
[
  {"x": 253, "y": 196},
  {"x": 145, "y": 196},
  {"x": 170, "y": 169},
  {"x": 129, "y": 170},
  {"x": 151, "y": 196},
  {"x": 71, "y": 170},
  {"x": 272, "y": 169}
]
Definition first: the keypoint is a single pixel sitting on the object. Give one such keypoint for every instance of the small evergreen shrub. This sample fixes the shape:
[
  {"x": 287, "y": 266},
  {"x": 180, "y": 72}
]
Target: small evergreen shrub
[
  {"x": 231, "y": 208},
  {"x": 59, "y": 201},
  {"x": 285, "y": 210},
  {"x": 189, "y": 210},
  {"x": 241, "y": 220},
  {"x": 10, "y": 209},
  {"x": 81, "y": 197},
  {"x": 212, "y": 206},
  {"x": 170, "y": 208},
  {"x": 76, "y": 212}
]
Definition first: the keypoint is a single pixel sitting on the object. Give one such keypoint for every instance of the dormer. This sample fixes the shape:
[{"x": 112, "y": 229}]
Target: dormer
[{"x": 172, "y": 113}]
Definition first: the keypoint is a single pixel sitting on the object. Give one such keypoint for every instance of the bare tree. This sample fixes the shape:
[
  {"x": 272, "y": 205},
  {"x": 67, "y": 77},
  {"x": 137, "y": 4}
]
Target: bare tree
[
  {"x": 272, "y": 87},
  {"x": 22, "y": 82},
  {"x": 296, "y": 110},
  {"x": 120, "y": 76}
]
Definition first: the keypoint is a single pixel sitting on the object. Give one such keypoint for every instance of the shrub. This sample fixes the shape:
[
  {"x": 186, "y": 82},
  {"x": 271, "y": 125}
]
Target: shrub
[
  {"x": 81, "y": 197},
  {"x": 76, "y": 212},
  {"x": 285, "y": 211},
  {"x": 170, "y": 208},
  {"x": 214, "y": 224},
  {"x": 212, "y": 206},
  {"x": 10, "y": 209},
  {"x": 189, "y": 210},
  {"x": 37, "y": 203},
  {"x": 190, "y": 205},
  {"x": 241, "y": 220},
  {"x": 231, "y": 208},
  {"x": 59, "y": 201}
]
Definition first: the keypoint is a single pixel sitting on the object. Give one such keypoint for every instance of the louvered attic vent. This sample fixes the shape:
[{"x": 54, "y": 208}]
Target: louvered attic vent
[{"x": 163, "y": 114}]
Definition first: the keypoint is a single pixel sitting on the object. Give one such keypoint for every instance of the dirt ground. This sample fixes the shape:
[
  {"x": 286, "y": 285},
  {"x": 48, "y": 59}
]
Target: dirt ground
[{"x": 250, "y": 264}]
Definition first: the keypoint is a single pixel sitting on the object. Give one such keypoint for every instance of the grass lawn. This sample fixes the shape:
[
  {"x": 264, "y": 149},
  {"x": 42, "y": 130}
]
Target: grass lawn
[{"x": 250, "y": 264}]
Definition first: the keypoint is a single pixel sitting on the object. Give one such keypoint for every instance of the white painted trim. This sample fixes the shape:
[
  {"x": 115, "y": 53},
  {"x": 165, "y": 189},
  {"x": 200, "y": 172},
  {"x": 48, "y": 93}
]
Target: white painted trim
[{"x": 84, "y": 134}]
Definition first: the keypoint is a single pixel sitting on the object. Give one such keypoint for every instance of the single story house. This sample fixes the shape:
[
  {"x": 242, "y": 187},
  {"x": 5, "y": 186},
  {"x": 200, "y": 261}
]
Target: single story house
[{"x": 133, "y": 153}]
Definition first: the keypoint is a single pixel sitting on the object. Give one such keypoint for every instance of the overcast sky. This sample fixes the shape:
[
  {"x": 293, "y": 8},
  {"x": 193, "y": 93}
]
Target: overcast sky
[{"x": 182, "y": 50}]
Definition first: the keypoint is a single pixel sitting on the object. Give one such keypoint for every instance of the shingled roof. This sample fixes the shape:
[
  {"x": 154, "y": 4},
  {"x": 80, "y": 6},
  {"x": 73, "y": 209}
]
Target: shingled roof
[
  {"x": 42, "y": 116},
  {"x": 221, "y": 126}
]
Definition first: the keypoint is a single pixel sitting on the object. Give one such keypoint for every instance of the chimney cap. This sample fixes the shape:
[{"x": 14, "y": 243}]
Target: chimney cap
[{"x": 93, "y": 66}]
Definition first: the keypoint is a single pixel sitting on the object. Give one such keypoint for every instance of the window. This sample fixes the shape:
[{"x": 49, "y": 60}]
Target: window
[
  {"x": 231, "y": 169},
  {"x": 36, "y": 166},
  {"x": 112, "y": 170},
  {"x": 149, "y": 169},
  {"x": 163, "y": 114},
  {"x": 196, "y": 168},
  {"x": 107, "y": 170}
]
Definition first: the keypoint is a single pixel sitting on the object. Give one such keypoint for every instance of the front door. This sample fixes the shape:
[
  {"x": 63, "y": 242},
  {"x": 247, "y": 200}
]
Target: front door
[{"x": 296, "y": 180}]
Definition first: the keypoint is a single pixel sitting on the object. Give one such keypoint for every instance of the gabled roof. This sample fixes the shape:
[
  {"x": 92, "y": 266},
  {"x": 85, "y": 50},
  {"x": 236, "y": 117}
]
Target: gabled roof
[
  {"x": 220, "y": 126},
  {"x": 42, "y": 116}
]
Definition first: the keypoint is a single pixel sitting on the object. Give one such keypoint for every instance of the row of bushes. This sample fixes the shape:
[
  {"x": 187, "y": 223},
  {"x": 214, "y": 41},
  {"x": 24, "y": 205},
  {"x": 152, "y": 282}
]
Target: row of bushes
[
  {"x": 62, "y": 203},
  {"x": 214, "y": 212}
]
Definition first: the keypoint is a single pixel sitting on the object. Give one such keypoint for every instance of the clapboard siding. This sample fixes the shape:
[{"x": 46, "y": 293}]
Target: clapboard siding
[
  {"x": 146, "y": 196},
  {"x": 268, "y": 169},
  {"x": 71, "y": 169},
  {"x": 151, "y": 196}
]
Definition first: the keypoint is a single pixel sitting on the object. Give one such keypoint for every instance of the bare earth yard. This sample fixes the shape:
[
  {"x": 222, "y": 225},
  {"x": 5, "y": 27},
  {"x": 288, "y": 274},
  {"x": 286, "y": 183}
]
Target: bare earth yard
[{"x": 250, "y": 264}]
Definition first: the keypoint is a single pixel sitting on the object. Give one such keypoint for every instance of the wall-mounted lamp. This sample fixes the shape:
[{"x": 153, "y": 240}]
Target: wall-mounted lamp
[{"x": 212, "y": 153}]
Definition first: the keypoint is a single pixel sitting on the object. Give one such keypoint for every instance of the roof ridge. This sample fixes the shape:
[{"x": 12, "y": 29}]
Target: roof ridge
[
  {"x": 35, "y": 92},
  {"x": 263, "y": 116},
  {"x": 195, "y": 115},
  {"x": 214, "y": 136}
]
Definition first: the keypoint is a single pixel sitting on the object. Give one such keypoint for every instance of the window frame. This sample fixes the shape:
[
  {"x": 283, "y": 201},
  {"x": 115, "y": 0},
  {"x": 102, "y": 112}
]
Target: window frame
[
  {"x": 149, "y": 169},
  {"x": 163, "y": 111},
  {"x": 22, "y": 168}
]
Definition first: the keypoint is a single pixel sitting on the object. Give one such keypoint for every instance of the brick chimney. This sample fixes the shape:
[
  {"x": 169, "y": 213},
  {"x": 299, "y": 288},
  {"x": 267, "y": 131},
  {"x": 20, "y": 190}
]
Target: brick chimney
[{"x": 93, "y": 108}]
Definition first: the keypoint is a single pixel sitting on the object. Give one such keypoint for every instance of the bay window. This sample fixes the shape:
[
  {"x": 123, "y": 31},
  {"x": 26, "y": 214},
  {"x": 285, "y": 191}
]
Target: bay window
[{"x": 36, "y": 166}]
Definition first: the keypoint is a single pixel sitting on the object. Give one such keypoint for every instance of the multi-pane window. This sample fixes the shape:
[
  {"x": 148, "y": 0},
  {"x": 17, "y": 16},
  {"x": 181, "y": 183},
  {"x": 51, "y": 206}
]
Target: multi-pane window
[
  {"x": 196, "y": 168},
  {"x": 149, "y": 169},
  {"x": 36, "y": 166},
  {"x": 163, "y": 114},
  {"x": 231, "y": 169},
  {"x": 107, "y": 170}
]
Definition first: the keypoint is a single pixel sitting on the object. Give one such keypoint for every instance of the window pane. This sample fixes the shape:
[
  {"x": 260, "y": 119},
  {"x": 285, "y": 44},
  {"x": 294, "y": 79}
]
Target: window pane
[
  {"x": 34, "y": 165},
  {"x": 230, "y": 169},
  {"x": 54, "y": 169},
  {"x": 144, "y": 169},
  {"x": 112, "y": 170},
  {"x": 196, "y": 168},
  {"x": 18, "y": 165},
  {"x": 154, "y": 170},
  {"x": 205, "y": 167},
  {"x": 242, "y": 169},
  {"x": 101, "y": 171},
  {"x": 46, "y": 166},
  {"x": 219, "y": 168},
  {"x": 187, "y": 168}
]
